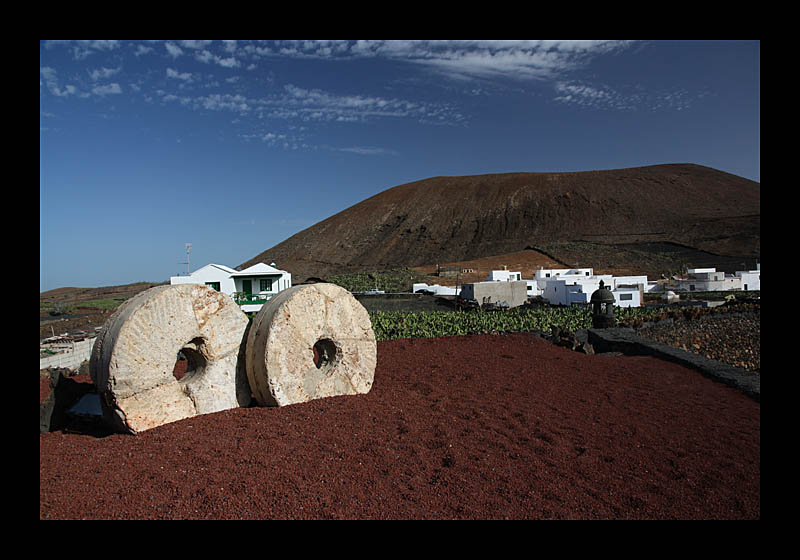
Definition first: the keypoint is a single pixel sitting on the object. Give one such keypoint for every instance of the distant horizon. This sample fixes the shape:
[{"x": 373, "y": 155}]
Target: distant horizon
[{"x": 236, "y": 146}]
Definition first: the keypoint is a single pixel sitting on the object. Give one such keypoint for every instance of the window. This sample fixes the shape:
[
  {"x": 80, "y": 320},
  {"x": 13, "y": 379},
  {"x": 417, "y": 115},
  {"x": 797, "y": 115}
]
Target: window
[
  {"x": 266, "y": 285},
  {"x": 214, "y": 285},
  {"x": 625, "y": 297}
]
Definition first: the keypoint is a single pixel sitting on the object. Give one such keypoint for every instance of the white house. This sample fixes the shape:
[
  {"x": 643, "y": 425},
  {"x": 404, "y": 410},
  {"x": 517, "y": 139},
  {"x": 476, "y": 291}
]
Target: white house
[
  {"x": 709, "y": 280},
  {"x": 218, "y": 276},
  {"x": 636, "y": 282},
  {"x": 544, "y": 274},
  {"x": 567, "y": 289},
  {"x": 627, "y": 297},
  {"x": 577, "y": 289},
  {"x": 750, "y": 279},
  {"x": 250, "y": 288},
  {"x": 504, "y": 276}
]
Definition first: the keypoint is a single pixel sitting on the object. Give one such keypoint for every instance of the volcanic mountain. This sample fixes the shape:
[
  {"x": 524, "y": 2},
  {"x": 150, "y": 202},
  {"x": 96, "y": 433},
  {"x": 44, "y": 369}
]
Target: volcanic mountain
[{"x": 450, "y": 219}]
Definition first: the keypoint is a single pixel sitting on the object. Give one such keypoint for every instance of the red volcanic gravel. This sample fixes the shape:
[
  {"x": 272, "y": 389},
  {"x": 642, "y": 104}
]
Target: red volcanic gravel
[{"x": 469, "y": 427}]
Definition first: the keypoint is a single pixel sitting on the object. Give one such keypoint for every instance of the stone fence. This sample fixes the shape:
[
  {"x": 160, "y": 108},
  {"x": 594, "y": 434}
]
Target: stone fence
[{"x": 70, "y": 358}]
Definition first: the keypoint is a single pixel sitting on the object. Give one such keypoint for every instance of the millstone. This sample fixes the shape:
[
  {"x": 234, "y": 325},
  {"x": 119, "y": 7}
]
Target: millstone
[
  {"x": 134, "y": 356},
  {"x": 310, "y": 342}
]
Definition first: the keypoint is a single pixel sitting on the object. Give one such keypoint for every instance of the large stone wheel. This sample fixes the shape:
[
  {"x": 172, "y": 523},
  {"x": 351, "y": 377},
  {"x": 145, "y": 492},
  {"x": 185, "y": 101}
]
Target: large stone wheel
[
  {"x": 310, "y": 342},
  {"x": 134, "y": 356}
]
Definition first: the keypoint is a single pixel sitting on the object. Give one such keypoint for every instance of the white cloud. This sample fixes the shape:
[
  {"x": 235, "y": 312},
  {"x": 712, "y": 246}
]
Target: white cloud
[
  {"x": 319, "y": 105},
  {"x": 208, "y": 57},
  {"x": 460, "y": 59},
  {"x": 369, "y": 151},
  {"x": 195, "y": 44},
  {"x": 184, "y": 76},
  {"x": 51, "y": 82},
  {"x": 173, "y": 50},
  {"x": 142, "y": 49},
  {"x": 204, "y": 56},
  {"x": 223, "y": 102},
  {"x": 83, "y": 49},
  {"x": 103, "y": 45},
  {"x": 103, "y": 73},
  {"x": 229, "y": 62},
  {"x": 109, "y": 89},
  {"x": 599, "y": 96}
]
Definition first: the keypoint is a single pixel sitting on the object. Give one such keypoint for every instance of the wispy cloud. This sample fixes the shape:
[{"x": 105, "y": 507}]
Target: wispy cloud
[
  {"x": 51, "y": 82},
  {"x": 183, "y": 76},
  {"x": 208, "y": 57},
  {"x": 103, "y": 73},
  {"x": 369, "y": 151},
  {"x": 108, "y": 89},
  {"x": 600, "y": 96},
  {"x": 173, "y": 50},
  {"x": 272, "y": 114},
  {"x": 315, "y": 105},
  {"x": 458, "y": 59},
  {"x": 320, "y": 105}
]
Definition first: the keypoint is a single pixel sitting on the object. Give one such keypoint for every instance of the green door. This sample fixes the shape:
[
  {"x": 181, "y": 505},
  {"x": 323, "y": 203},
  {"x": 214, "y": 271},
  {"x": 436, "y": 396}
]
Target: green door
[{"x": 247, "y": 286}]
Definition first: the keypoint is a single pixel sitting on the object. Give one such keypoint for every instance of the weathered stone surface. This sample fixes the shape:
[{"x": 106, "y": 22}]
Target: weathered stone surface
[
  {"x": 134, "y": 356},
  {"x": 310, "y": 342}
]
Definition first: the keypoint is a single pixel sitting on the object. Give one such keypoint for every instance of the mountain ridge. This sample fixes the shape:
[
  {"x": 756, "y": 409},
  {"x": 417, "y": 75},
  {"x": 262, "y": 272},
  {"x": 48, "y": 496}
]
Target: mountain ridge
[{"x": 456, "y": 218}]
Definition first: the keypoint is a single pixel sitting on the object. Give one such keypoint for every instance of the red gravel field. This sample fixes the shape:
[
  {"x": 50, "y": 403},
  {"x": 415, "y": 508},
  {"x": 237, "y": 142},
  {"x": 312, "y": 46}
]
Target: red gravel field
[{"x": 469, "y": 427}]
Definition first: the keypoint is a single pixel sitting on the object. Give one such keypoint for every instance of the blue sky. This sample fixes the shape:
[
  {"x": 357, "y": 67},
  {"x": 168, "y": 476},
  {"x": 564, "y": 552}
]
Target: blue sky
[{"x": 234, "y": 146}]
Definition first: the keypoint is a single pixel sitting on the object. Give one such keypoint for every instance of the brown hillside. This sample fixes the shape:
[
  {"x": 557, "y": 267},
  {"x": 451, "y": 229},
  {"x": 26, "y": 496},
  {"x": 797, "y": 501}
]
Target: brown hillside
[{"x": 450, "y": 219}]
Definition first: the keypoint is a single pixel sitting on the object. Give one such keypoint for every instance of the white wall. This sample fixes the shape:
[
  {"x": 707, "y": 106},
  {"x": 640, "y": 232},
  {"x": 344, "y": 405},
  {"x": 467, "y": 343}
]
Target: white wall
[
  {"x": 544, "y": 274},
  {"x": 751, "y": 279},
  {"x": 73, "y": 358},
  {"x": 640, "y": 281},
  {"x": 723, "y": 284},
  {"x": 436, "y": 289},
  {"x": 566, "y": 290},
  {"x": 627, "y": 298},
  {"x": 504, "y": 276},
  {"x": 573, "y": 288},
  {"x": 279, "y": 283},
  {"x": 209, "y": 273}
]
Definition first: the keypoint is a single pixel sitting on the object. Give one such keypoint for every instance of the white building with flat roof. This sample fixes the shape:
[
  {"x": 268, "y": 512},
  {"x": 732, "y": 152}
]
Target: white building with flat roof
[
  {"x": 750, "y": 279},
  {"x": 504, "y": 276},
  {"x": 709, "y": 280},
  {"x": 576, "y": 289}
]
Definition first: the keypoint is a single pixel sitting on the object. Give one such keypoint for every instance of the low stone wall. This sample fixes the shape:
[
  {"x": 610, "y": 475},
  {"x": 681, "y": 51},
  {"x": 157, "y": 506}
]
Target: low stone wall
[
  {"x": 627, "y": 342},
  {"x": 72, "y": 359}
]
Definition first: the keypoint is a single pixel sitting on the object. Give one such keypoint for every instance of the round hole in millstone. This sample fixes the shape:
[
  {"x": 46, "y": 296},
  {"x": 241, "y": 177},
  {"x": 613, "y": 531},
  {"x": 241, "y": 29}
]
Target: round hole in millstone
[
  {"x": 325, "y": 353},
  {"x": 190, "y": 363}
]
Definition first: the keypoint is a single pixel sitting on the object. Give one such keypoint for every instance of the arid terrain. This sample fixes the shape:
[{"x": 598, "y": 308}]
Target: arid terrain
[
  {"x": 72, "y": 310},
  {"x": 579, "y": 217},
  {"x": 468, "y": 427}
]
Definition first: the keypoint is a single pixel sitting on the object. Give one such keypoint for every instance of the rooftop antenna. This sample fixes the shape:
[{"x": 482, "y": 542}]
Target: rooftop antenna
[{"x": 188, "y": 248}]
